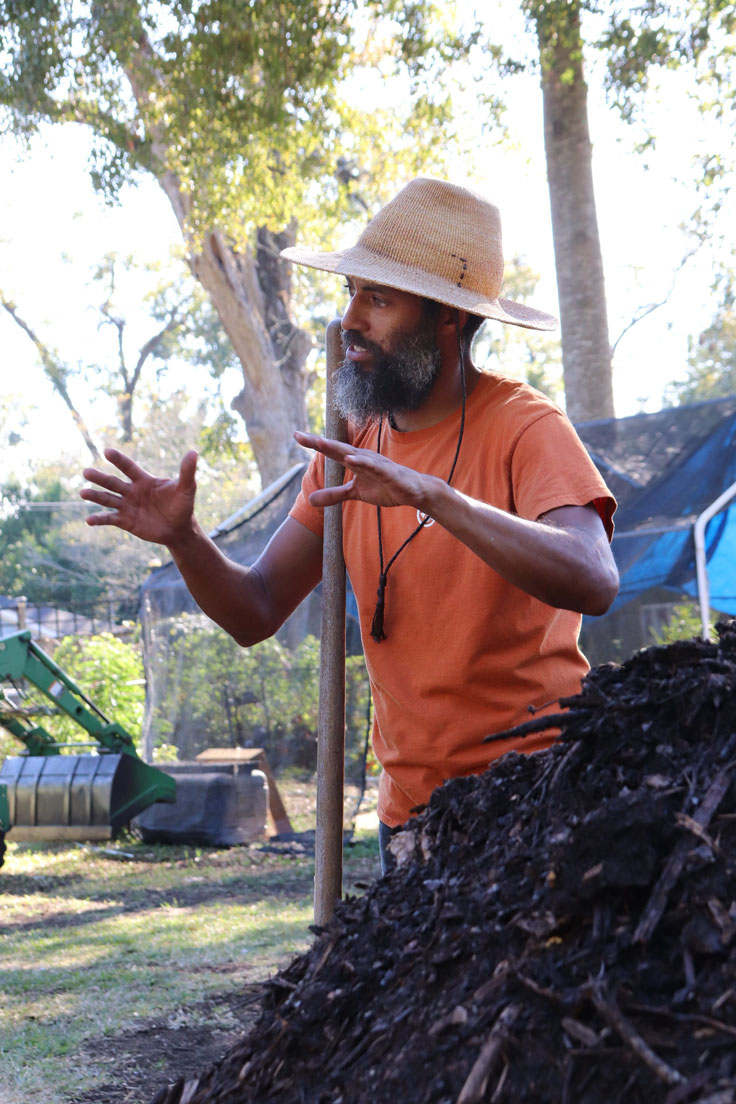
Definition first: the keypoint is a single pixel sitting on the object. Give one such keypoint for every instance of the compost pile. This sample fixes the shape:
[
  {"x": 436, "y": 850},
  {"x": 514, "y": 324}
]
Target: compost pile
[{"x": 560, "y": 929}]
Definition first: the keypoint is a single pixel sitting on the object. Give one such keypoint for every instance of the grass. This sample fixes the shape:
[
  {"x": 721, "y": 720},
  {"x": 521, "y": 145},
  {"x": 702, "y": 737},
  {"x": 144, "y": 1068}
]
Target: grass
[{"x": 99, "y": 941}]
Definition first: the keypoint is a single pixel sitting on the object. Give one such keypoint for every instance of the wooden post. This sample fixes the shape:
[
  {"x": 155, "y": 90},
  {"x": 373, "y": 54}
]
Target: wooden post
[{"x": 331, "y": 731}]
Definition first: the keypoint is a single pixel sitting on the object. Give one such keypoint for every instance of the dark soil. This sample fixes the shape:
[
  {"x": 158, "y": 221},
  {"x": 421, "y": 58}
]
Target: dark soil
[
  {"x": 561, "y": 929},
  {"x": 157, "y": 1052}
]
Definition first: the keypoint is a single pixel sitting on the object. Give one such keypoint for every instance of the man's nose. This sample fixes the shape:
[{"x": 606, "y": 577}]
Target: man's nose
[{"x": 352, "y": 318}]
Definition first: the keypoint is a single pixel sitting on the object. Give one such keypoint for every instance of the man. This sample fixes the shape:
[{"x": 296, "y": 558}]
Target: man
[{"x": 476, "y": 528}]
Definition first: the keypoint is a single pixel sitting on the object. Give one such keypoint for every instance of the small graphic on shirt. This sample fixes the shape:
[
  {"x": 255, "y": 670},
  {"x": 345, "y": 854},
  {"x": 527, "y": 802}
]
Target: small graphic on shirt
[{"x": 424, "y": 519}]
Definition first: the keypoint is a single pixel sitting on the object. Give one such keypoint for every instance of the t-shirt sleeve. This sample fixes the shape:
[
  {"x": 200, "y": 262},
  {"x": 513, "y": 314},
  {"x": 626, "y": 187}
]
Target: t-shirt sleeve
[
  {"x": 550, "y": 467},
  {"x": 313, "y": 480}
]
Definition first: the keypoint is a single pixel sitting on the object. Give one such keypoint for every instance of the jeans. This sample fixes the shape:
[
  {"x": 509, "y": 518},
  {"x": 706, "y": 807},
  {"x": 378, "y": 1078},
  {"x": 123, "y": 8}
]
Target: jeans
[{"x": 388, "y": 862}]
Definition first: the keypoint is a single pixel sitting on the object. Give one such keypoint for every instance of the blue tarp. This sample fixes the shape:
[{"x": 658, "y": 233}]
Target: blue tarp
[{"x": 665, "y": 470}]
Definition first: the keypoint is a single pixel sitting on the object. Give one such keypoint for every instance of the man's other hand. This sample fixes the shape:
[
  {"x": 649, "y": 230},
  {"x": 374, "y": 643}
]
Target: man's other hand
[{"x": 157, "y": 510}]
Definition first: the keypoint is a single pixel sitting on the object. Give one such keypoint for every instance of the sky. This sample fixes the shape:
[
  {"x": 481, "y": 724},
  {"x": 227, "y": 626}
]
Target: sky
[{"x": 54, "y": 229}]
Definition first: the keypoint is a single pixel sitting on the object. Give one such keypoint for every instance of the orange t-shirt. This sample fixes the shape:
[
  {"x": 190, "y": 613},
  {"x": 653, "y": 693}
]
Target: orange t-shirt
[{"x": 466, "y": 653}]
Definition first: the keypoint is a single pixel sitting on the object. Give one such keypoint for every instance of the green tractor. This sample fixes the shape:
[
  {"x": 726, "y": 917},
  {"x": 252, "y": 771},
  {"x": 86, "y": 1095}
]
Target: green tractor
[{"x": 91, "y": 791}]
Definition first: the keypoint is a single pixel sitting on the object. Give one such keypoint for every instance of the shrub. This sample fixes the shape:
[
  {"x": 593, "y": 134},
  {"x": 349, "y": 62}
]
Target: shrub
[{"x": 208, "y": 691}]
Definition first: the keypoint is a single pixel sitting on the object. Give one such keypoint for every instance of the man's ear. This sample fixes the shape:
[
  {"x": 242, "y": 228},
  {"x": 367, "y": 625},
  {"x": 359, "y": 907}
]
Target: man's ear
[{"x": 446, "y": 320}]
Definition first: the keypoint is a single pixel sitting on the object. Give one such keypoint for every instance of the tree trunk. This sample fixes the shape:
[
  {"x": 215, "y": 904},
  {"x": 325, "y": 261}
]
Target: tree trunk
[
  {"x": 586, "y": 349},
  {"x": 270, "y": 348}
]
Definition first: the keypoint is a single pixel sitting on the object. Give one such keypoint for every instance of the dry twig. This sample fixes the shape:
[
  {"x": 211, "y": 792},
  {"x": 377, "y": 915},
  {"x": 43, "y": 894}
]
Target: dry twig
[
  {"x": 658, "y": 900},
  {"x": 615, "y": 1018},
  {"x": 477, "y": 1080}
]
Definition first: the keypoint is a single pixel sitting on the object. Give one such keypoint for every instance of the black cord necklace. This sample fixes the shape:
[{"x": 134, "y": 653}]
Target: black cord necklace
[{"x": 377, "y": 626}]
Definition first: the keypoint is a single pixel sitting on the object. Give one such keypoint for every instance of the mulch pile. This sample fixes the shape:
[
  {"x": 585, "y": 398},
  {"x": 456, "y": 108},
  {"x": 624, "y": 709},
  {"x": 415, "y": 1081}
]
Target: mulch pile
[{"x": 561, "y": 929}]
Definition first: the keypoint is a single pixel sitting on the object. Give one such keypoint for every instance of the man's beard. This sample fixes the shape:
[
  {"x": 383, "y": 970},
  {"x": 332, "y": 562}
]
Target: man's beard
[{"x": 397, "y": 380}]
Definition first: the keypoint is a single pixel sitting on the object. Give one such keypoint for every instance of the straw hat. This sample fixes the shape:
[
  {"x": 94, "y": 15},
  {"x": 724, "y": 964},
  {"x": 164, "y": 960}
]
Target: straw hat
[{"x": 436, "y": 240}]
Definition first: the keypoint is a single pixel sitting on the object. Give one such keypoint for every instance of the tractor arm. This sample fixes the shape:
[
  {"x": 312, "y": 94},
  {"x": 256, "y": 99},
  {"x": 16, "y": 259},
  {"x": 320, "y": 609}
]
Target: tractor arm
[
  {"x": 37, "y": 739},
  {"x": 20, "y": 658}
]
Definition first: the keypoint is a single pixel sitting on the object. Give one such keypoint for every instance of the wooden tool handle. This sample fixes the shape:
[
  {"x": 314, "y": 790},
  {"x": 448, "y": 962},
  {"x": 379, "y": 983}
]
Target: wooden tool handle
[{"x": 331, "y": 732}]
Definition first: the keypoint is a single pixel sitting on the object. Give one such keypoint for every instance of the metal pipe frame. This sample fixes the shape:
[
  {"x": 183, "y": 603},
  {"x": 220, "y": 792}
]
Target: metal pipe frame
[{"x": 701, "y": 567}]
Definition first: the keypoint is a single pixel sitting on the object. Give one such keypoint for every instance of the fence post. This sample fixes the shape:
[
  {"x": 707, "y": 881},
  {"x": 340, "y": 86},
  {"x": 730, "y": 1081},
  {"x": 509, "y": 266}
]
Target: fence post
[{"x": 148, "y": 645}]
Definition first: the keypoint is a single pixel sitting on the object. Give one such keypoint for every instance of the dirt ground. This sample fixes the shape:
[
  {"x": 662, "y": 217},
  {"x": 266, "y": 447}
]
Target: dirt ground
[
  {"x": 159, "y": 1049},
  {"x": 143, "y": 1061}
]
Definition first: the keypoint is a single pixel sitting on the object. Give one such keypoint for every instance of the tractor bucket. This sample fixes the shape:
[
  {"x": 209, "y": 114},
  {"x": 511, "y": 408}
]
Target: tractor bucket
[{"x": 79, "y": 797}]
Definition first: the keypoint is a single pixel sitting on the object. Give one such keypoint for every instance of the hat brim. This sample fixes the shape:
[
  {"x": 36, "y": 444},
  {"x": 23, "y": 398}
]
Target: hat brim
[{"x": 366, "y": 265}]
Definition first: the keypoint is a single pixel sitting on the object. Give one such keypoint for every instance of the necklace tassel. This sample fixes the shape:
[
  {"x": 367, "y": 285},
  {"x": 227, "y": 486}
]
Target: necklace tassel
[{"x": 377, "y": 627}]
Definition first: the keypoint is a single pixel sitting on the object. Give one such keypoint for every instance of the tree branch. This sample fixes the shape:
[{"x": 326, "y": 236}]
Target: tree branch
[
  {"x": 119, "y": 324},
  {"x": 55, "y": 372},
  {"x": 150, "y": 346},
  {"x": 645, "y": 311}
]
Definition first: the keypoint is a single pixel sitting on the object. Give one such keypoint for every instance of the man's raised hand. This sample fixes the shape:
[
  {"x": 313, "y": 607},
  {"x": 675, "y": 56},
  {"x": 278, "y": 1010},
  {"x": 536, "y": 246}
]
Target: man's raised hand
[
  {"x": 157, "y": 510},
  {"x": 375, "y": 479}
]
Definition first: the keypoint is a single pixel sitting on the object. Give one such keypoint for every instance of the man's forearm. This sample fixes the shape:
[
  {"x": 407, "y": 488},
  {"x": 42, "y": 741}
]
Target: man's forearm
[
  {"x": 563, "y": 558},
  {"x": 231, "y": 595},
  {"x": 564, "y": 561}
]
